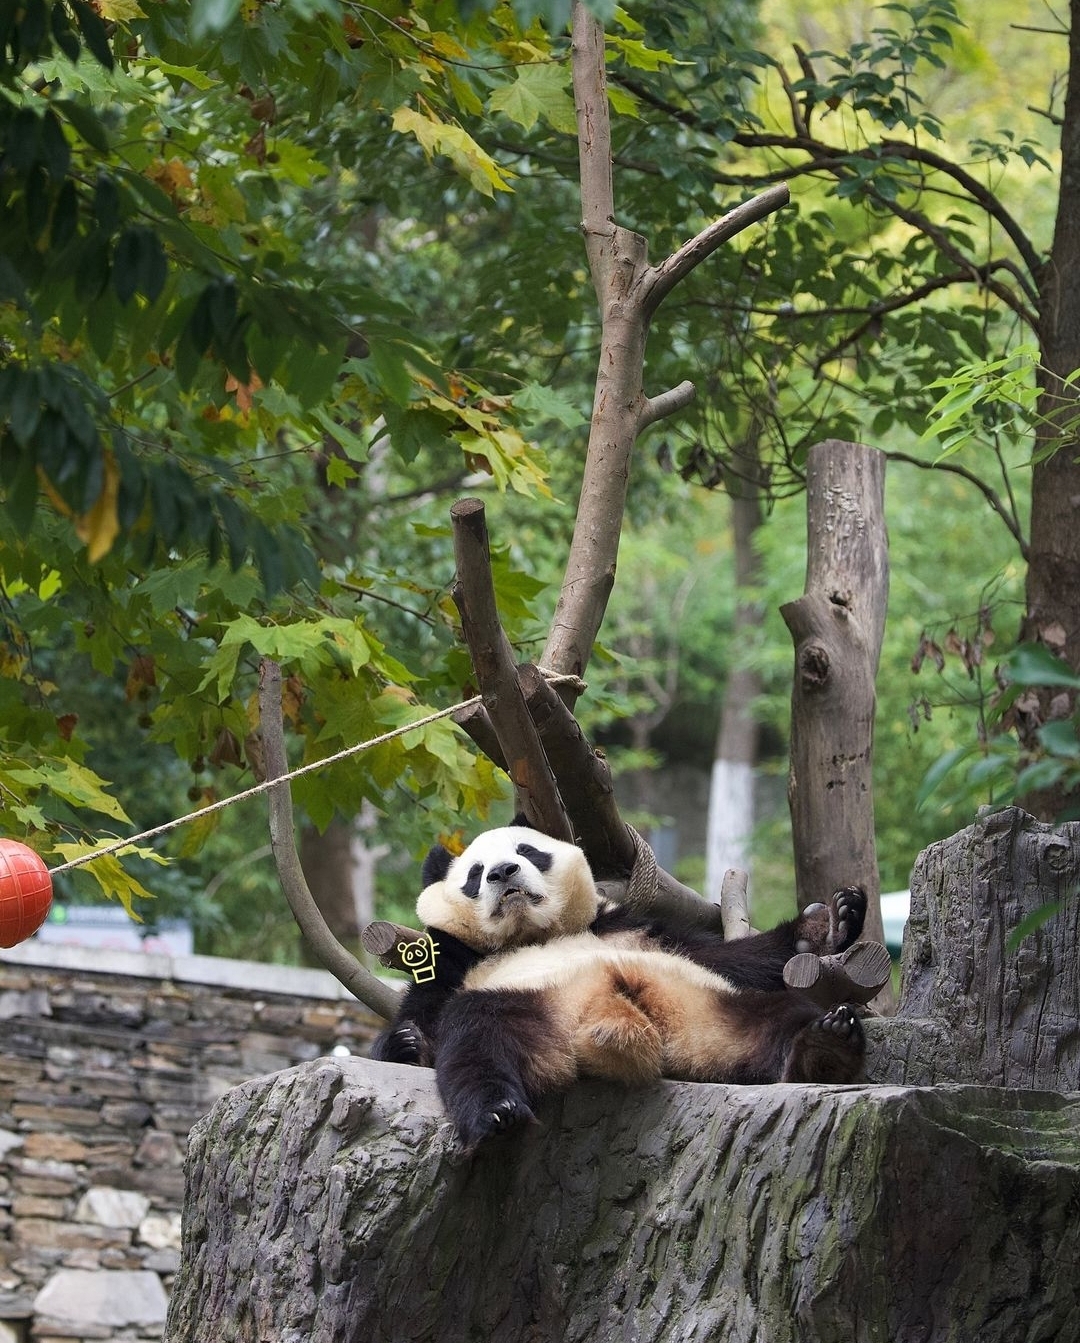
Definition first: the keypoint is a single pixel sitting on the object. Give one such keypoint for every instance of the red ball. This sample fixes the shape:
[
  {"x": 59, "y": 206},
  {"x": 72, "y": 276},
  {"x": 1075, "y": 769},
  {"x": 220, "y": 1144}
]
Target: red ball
[{"x": 25, "y": 892}]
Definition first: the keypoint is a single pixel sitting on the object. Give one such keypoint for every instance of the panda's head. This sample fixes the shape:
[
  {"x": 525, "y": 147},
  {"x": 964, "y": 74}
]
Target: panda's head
[{"x": 510, "y": 887}]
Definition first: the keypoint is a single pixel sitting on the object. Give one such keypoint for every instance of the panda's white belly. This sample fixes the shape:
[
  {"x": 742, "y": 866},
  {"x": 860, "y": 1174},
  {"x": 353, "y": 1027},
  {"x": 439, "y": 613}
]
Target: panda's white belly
[{"x": 565, "y": 960}]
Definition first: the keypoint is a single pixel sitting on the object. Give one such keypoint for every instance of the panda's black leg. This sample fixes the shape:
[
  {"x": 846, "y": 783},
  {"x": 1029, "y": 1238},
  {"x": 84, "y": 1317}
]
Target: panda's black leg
[
  {"x": 757, "y": 961},
  {"x": 491, "y": 1055}
]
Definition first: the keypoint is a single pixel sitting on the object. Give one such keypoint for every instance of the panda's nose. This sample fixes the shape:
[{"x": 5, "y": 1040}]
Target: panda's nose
[{"x": 503, "y": 871}]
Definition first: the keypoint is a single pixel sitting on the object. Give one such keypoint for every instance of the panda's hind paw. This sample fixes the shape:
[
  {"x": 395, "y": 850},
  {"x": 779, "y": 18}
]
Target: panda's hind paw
[
  {"x": 825, "y": 929},
  {"x": 847, "y": 908},
  {"x": 830, "y": 1048},
  {"x": 490, "y": 1118}
]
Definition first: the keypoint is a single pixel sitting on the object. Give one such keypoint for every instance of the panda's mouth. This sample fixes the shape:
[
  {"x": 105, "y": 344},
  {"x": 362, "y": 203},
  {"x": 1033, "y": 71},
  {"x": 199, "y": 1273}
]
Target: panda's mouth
[{"x": 515, "y": 899}]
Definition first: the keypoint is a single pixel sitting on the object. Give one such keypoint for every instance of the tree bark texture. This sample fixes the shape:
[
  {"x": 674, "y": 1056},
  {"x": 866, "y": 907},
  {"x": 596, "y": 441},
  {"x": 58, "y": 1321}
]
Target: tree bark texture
[
  {"x": 1052, "y": 614},
  {"x": 971, "y": 1009},
  {"x": 325, "y": 1205},
  {"x": 837, "y": 628}
]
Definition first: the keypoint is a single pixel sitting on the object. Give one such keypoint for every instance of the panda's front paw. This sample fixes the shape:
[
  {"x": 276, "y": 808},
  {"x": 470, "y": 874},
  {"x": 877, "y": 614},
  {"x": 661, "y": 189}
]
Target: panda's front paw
[
  {"x": 488, "y": 1116},
  {"x": 404, "y": 1043}
]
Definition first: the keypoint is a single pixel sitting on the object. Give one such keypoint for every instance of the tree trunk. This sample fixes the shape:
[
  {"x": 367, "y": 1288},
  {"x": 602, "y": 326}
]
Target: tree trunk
[
  {"x": 731, "y": 790},
  {"x": 327, "y": 860},
  {"x": 837, "y": 627},
  {"x": 1052, "y": 613},
  {"x": 324, "y": 1204},
  {"x": 971, "y": 1009}
]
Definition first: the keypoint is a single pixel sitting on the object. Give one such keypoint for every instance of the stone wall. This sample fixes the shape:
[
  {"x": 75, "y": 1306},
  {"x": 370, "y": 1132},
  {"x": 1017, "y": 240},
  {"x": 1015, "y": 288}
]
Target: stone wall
[{"x": 106, "y": 1061}]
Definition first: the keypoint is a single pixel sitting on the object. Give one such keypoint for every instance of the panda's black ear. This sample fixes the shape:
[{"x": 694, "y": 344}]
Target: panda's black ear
[
  {"x": 522, "y": 820},
  {"x": 436, "y": 865}
]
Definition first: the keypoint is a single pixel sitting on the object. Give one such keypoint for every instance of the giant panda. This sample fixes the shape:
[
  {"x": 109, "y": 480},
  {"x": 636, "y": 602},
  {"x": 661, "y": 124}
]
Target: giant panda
[{"x": 538, "y": 981}]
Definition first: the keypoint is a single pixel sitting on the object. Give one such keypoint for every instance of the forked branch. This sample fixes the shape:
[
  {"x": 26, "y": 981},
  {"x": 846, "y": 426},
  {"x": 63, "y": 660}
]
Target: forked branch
[{"x": 628, "y": 291}]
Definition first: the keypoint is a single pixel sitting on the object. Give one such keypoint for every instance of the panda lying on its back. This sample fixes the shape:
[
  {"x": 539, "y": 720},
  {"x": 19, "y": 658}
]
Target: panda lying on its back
[{"x": 538, "y": 982}]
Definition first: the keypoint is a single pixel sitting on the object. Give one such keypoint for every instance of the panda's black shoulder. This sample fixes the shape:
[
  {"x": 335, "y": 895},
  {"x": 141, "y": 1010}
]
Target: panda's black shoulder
[{"x": 614, "y": 919}]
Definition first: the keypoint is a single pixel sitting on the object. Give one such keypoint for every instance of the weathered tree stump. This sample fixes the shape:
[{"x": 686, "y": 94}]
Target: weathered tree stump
[
  {"x": 325, "y": 1205},
  {"x": 971, "y": 1010}
]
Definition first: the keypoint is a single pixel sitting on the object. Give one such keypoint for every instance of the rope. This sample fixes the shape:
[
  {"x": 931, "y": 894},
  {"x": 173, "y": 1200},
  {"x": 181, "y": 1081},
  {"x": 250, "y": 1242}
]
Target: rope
[
  {"x": 265, "y": 786},
  {"x": 554, "y": 678},
  {"x": 644, "y": 879}
]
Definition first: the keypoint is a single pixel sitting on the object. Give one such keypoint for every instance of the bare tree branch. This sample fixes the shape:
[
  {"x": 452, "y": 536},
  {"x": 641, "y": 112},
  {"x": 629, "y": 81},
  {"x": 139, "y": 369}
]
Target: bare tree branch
[
  {"x": 589, "y": 794},
  {"x": 659, "y": 281},
  {"x": 628, "y": 291},
  {"x": 345, "y": 968},
  {"x": 666, "y": 403},
  {"x": 594, "y": 143},
  {"x": 1005, "y": 512},
  {"x": 493, "y": 661}
]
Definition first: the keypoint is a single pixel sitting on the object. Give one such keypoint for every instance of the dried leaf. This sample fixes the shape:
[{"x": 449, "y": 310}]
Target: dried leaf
[{"x": 141, "y": 675}]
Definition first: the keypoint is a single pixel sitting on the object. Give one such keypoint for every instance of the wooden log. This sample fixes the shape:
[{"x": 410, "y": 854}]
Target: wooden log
[{"x": 852, "y": 976}]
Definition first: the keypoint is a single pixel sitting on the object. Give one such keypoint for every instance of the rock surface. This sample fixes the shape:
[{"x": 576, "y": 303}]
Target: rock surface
[
  {"x": 326, "y": 1204},
  {"x": 974, "y": 1008}
]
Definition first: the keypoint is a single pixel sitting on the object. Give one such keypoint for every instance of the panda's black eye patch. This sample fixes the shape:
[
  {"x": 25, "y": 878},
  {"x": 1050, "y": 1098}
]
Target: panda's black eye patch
[
  {"x": 540, "y": 860},
  {"x": 472, "y": 885}
]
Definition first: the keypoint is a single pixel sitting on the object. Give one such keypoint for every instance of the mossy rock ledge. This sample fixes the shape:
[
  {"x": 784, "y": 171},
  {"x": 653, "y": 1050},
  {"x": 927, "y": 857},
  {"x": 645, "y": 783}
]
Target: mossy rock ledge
[{"x": 326, "y": 1204}]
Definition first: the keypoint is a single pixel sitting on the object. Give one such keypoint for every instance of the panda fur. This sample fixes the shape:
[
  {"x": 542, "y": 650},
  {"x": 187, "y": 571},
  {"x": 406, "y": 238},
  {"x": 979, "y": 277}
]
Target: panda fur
[{"x": 540, "y": 981}]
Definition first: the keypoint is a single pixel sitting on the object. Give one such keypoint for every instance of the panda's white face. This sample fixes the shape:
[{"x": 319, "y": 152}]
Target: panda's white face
[{"x": 511, "y": 887}]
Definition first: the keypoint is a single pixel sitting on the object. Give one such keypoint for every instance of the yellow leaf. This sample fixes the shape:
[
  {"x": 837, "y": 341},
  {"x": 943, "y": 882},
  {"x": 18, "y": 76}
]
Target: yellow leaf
[
  {"x": 119, "y": 11},
  {"x": 440, "y": 137},
  {"x": 98, "y": 528}
]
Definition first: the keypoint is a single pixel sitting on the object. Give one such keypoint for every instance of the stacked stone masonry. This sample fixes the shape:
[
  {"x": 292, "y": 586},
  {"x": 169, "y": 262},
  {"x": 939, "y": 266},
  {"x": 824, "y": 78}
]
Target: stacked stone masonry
[{"x": 107, "y": 1059}]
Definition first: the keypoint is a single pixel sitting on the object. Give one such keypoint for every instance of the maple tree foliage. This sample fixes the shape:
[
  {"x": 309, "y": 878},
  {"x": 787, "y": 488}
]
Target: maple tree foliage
[{"x": 197, "y": 368}]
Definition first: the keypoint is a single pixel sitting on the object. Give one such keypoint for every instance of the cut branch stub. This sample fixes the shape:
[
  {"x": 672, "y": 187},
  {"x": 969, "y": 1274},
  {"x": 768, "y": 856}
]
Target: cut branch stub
[
  {"x": 496, "y": 673},
  {"x": 397, "y": 947}
]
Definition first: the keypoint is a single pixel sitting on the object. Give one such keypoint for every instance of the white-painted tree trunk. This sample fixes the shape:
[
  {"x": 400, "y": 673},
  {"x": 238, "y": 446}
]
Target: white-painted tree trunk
[
  {"x": 731, "y": 821},
  {"x": 731, "y": 792}
]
